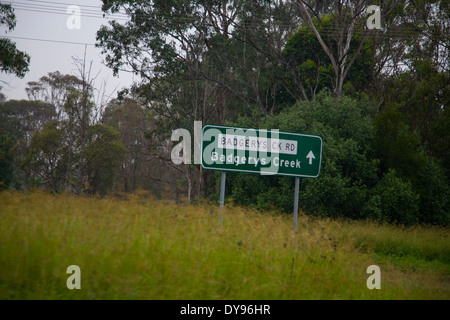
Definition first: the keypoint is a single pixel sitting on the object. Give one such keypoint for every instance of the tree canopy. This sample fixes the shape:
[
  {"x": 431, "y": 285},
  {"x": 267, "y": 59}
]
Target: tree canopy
[{"x": 12, "y": 60}]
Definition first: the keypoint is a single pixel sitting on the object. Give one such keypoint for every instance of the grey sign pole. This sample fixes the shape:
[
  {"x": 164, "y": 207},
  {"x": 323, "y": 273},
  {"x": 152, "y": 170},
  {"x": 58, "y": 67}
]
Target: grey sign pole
[
  {"x": 222, "y": 195},
  {"x": 297, "y": 187}
]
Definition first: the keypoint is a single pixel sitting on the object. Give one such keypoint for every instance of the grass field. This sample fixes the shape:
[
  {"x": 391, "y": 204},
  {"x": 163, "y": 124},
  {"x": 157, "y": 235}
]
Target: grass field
[{"x": 139, "y": 248}]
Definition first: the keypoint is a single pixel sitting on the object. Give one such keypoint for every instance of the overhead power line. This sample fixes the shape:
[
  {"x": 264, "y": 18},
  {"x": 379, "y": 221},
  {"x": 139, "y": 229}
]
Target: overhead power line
[
  {"x": 51, "y": 7},
  {"x": 66, "y": 14},
  {"x": 49, "y": 40},
  {"x": 61, "y": 8},
  {"x": 65, "y": 4}
]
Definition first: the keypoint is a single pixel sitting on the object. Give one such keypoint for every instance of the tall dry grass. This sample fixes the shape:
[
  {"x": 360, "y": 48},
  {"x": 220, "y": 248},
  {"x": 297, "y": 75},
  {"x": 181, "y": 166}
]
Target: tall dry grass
[{"x": 141, "y": 248}]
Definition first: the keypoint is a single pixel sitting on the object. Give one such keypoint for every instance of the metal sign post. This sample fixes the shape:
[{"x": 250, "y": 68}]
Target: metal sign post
[
  {"x": 297, "y": 187},
  {"x": 223, "y": 177}
]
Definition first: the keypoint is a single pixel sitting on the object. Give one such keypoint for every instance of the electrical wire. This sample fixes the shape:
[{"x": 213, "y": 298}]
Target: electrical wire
[
  {"x": 61, "y": 3},
  {"x": 49, "y": 40},
  {"x": 121, "y": 16},
  {"x": 49, "y": 7},
  {"x": 61, "y": 8}
]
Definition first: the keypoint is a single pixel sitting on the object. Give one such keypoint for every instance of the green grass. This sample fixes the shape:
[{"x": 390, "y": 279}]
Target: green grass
[{"x": 141, "y": 248}]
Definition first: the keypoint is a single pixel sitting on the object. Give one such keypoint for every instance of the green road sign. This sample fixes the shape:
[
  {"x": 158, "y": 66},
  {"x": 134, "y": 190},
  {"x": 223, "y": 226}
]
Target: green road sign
[{"x": 261, "y": 151}]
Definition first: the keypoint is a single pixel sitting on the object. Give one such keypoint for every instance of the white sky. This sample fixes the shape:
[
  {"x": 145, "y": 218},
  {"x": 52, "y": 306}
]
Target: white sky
[{"x": 48, "y": 20}]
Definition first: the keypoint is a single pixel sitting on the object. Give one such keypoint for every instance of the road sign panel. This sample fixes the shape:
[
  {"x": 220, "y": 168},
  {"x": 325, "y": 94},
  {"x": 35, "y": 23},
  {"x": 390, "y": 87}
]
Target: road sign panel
[{"x": 261, "y": 151}]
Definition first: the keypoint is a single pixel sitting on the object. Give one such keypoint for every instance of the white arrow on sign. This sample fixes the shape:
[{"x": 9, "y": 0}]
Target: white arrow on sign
[{"x": 310, "y": 156}]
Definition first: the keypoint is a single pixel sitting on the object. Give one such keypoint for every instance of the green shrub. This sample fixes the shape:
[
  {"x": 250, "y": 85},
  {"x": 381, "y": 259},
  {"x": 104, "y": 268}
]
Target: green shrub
[
  {"x": 432, "y": 185},
  {"x": 393, "y": 200},
  {"x": 261, "y": 193},
  {"x": 7, "y": 143}
]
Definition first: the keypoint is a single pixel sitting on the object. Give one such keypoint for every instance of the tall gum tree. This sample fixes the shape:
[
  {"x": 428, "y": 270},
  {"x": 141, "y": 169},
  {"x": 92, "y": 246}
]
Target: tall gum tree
[{"x": 347, "y": 15}]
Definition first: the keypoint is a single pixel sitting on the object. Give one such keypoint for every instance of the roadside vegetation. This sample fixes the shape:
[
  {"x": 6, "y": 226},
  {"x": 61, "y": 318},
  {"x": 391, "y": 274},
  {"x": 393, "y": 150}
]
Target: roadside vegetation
[{"x": 141, "y": 248}]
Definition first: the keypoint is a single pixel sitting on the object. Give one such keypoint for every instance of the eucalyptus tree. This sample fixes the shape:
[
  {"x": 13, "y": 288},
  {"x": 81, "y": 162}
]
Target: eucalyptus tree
[
  {"x": 12, "y": 60},
  {"x": 205, "y": 60}
]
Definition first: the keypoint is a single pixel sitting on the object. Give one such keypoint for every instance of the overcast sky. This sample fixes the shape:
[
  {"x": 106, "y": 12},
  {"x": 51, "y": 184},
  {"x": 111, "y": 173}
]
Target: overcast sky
[{"x": 57, "y": 44}]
